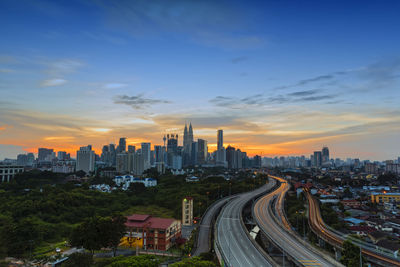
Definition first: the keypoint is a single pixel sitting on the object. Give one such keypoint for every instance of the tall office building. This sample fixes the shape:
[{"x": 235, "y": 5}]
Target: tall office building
[
  {"x": 159, "y": 155},
  {"x": 202, "y": 151},
  {"x": 230, "y": 157},
  {"x": 187, "y": 139},
  {"x": 220, "y": 139},
  {"x": 317, "y": 158},
  {"x": 325, "y": 154},
  {"x": 85, "y": 158},
  {"x": 44, "y": 153},
  {"x": 131, "y": 149},
  {"x": 146, "y": 148}
]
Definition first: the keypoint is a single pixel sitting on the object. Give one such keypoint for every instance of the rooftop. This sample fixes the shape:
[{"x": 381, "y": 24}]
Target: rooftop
[{"x": 145, "y": 220}]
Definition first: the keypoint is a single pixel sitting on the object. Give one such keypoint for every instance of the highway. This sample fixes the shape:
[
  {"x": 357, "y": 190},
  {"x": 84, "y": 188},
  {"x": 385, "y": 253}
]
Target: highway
[
  {"x": 336, "y": 238},
  {"x": 234, "y": 243},
  {"x": 203, "y": 239},
  {"x": 277, "y": 229}
]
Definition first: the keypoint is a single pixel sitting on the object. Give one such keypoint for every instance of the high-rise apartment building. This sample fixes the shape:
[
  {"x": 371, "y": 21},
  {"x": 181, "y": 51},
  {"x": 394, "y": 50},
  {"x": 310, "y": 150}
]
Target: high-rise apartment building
[
  {"x": 85, "y": 159},
  {"x": 61, "y": 155},
  {"x": 122, "y": 145},
  {"x": 122, "y": 163}
]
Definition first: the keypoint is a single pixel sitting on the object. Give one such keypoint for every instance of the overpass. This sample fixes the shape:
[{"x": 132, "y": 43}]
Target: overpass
[
  {"x": 269, "y": 216},
  {"x": 373, "y": 253},
  {"x": 233, "y": 244}
]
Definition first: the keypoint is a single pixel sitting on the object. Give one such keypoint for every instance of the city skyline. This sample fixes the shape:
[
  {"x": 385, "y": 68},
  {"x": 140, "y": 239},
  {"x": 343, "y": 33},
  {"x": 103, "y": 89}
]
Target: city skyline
[{"x": 279, "y": 78}]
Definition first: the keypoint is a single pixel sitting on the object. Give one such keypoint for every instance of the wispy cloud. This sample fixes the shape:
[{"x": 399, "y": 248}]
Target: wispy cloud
[
  {"x": 53, "y": 82},
  {"x": 114, "y": 85},
  {"x": 258, "y": 100},
  {"x": 138, "y": 101},
  {"x": 63, "y": 66},
  {"x": 210, "y": 23}
]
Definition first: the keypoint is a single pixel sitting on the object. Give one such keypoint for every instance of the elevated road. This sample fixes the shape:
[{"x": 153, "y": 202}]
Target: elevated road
[
  {"x": 232, "y": 240},
  {"x": 336, "y": 238},
  {"x": 204, "y": 236},
  {"x": 277, "y": 229}
]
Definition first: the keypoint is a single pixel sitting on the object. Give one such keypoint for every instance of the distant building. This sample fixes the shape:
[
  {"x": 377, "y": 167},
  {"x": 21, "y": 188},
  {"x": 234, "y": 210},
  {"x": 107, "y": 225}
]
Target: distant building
[
  {"x": 371, "y": 168},
  {"x": 377, "y": 197},
  {"x": 145, "y": 231},
  {"x": 126, "y": 180},
  {"x": 146, "y": 148},
  {"x": 85, "y": 159},
  {"x": 202, "y": 151},
  {"x": 392, "y": 168},
  {"x": 325, "y": 154},
  {"x": 220, "y": 139},
  {"x": 187, "y": 211},
  {"x": 44, "y": 154},
  {"x": 62, "y": 155},
  {"x": 64, "y": 166},
  {"x": 122, "y": 163},
  {"x": 317, "y": 159},
  {"x": 22, "y": 160},
  {"x": 122, "y": 145},
  {"x": 7, "y": 172}
]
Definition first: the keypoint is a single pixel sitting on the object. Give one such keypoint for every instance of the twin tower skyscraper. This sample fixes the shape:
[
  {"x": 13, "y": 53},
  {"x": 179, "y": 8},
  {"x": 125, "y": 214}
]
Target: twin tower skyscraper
[{"x": 188, "y": 139}]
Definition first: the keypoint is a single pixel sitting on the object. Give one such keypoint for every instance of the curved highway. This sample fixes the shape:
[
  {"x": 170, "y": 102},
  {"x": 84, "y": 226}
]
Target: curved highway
[
  {"x": 203, "y": 239},
  {"x": 336, "y": 238},
  {"x": 274, "y": 228},
  {"x": 232, "y": 240}
]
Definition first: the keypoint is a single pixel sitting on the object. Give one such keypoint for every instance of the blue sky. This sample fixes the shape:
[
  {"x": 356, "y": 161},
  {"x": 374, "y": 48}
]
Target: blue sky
[{"x": 280, "y": 77}]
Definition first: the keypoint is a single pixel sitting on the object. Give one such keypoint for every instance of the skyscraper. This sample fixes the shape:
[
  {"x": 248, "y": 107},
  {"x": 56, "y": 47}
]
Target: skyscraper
[
  {"x": 317, "y": 158},
  {"x": 202, "y": 151},
  {"x": 220, "y": 139},
  {"x": 187, "y": 144},
  {"x": 325, "y": 154},
  {"x": 122, "y": 145},
  {"x": 85, "y": 159},
  {"x": 146, "y": 147}
]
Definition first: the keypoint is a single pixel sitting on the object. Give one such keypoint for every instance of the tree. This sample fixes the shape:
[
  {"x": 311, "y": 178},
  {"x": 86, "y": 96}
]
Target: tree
[
  {"x": 351, "y": 254},
  {"x": 98, "y": 232},
  {"x": 88, "y": 234},
  {"x": 114, "y": 231}
]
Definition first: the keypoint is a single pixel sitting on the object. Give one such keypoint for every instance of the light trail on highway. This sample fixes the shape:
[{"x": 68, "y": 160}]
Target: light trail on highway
[{"x": 277, "y": 229}]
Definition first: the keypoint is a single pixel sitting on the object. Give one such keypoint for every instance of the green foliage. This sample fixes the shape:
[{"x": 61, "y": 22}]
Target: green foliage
[
  {"x": 78, "y": 260},
  {"x": 37, "y": 207},
  {"x": 351, "y": 255},
  {"x": 193, "y": 262},
  {"x": 98, "y": 232},
  {"x": 135, "y": 261}
]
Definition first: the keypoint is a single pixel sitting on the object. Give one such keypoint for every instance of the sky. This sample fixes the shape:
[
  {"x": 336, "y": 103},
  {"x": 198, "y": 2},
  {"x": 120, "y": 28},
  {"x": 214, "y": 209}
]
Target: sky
[{"x": 279, "y": 77}]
